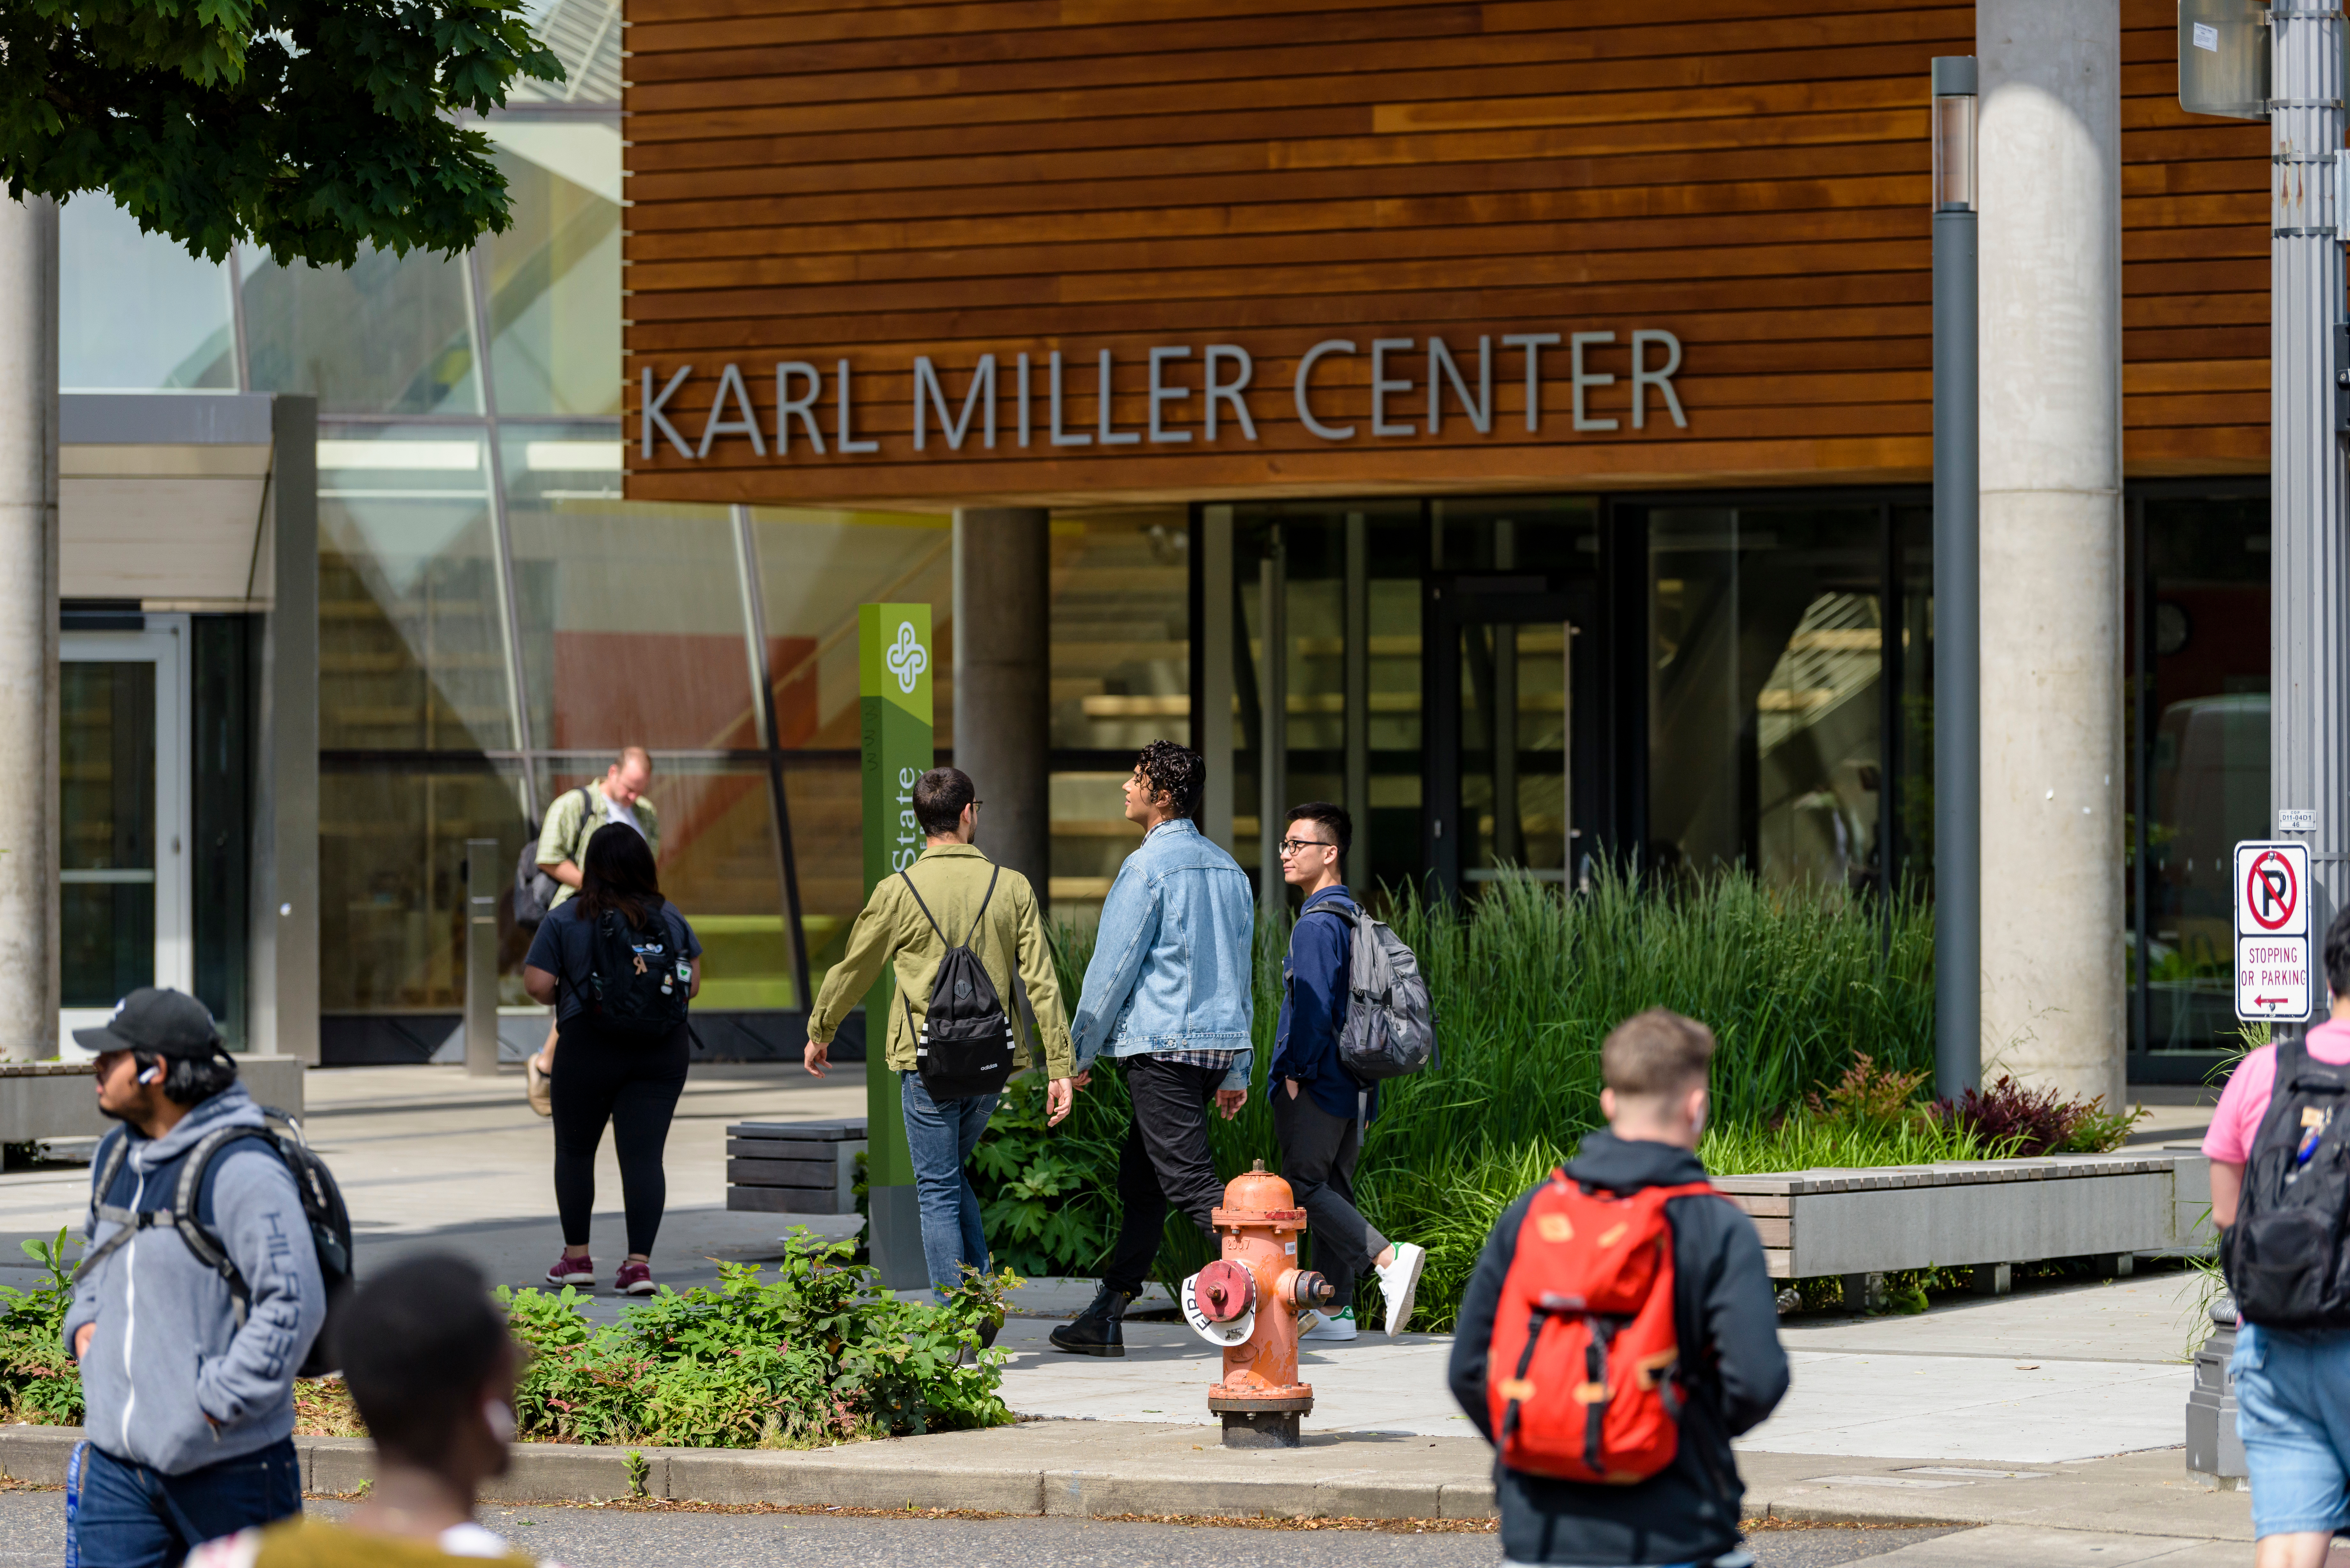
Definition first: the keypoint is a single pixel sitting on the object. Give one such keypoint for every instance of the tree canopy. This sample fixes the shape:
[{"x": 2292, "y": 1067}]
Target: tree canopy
[{"x": 309, "y": 127}]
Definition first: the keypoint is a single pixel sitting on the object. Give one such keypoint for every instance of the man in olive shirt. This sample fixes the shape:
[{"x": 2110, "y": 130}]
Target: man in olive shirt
[{"x": 951, "y": 879}]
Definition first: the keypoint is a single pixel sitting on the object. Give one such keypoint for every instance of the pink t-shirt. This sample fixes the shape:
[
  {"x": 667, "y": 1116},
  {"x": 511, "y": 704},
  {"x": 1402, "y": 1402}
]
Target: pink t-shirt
[{"x": 2245, "y": 1101}]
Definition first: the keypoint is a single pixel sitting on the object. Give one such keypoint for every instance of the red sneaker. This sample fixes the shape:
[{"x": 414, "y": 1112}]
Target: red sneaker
[
  {"x": 570, "y": 1270},
  {"x": 634, "y": 1280}
]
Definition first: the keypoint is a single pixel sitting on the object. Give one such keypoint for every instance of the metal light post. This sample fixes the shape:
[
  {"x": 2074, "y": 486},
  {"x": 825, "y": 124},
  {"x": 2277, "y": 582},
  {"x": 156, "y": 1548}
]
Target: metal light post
[
  {"x": 1958, "y": 592},
  {"x": 484, "y": 876},
  {"x": 2309, "y": 650}
]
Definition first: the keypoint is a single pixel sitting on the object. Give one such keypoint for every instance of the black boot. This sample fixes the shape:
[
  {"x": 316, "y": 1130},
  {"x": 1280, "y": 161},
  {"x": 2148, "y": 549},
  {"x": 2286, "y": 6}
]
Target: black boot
[{"x": 1095, "y": 1331}]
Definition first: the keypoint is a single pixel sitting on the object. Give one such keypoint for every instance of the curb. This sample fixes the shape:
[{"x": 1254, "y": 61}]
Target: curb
[{"x": 855, "y": 1476}]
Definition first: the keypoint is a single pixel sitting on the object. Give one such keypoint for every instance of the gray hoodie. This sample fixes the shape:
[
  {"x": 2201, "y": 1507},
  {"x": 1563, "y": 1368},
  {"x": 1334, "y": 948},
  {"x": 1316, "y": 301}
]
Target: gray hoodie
[{"x": 169, "y": 1353}]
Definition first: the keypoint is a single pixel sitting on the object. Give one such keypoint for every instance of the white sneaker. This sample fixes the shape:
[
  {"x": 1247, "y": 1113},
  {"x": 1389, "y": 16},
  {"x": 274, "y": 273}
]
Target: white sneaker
[
  {"x": 1327, "y": 1327},
  {"x": 1399, "y": 1282}
]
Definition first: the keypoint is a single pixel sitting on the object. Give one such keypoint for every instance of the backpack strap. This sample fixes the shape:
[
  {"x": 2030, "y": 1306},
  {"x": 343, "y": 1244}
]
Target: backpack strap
[
  {"x": 183, "y": 1216},
  {"x": 917, "y": 892},
  {"x": 971, "y": 935}
]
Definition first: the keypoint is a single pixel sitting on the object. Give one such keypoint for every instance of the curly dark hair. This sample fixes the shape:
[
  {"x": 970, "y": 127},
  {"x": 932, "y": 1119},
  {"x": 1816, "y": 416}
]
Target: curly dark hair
[{"x": 1175, "y": 774}]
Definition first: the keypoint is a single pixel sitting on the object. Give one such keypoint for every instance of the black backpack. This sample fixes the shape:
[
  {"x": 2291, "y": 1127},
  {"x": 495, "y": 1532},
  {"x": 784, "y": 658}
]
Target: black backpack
[
  {"x": 638, "y": 980},
  {"x": 322, "y": 1207},
  {"x": 2284, "y": 1254},
  {"x": 963, "y": 1045},
  {"x": 534, "y": 887}
]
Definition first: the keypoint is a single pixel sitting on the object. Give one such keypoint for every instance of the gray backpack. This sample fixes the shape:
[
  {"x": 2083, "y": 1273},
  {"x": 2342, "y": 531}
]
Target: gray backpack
[{"x": 1390, "y": 1028}]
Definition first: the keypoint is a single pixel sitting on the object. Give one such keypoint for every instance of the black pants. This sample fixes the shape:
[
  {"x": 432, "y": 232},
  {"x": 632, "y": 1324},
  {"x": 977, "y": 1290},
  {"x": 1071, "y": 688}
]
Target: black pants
[
  {"x": 1318, "y": 1152},
  {"x": 634, "y": 1085},
  {"x": 1165, "y": 1161}
]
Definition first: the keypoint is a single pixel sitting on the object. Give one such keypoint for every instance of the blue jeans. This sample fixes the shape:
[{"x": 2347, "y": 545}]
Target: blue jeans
[
  {"x": 133, "y": 1517},
  {"x": 940, "y": 1135},
  {"x": 2293, "y": 1412}
]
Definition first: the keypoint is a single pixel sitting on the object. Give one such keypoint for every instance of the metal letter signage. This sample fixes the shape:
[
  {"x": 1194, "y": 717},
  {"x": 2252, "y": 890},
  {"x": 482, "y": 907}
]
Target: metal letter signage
[
  {"x": 1190, "y": 393},
  {"x": 2271, "y": 885}
]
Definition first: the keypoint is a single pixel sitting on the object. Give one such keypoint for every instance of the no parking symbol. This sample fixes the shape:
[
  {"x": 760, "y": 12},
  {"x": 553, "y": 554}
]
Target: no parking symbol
[{"x": 2272, "y": 978}]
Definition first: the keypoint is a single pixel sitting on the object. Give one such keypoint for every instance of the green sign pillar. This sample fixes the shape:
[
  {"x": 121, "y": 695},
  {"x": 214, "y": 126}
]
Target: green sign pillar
[{"x": 894, "y": 658}]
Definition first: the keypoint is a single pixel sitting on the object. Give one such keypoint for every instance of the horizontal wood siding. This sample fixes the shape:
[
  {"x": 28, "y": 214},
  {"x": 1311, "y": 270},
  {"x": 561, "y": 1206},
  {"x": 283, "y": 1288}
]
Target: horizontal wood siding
[{"x": 830, "y": 180}]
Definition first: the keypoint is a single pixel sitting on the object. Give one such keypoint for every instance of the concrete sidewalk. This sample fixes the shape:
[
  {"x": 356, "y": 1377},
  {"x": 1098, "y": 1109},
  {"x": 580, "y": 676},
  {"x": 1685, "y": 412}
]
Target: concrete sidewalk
[
  {"x": 2052, "y": 1374},
  {"x": 1100, "y": 1469},
  {"x": 2055, "y": 1380}
]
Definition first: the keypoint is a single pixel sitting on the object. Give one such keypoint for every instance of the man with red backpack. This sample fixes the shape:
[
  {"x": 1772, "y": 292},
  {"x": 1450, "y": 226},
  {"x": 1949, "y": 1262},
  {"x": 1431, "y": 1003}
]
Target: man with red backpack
[{"x": 1621, "y": 1328}]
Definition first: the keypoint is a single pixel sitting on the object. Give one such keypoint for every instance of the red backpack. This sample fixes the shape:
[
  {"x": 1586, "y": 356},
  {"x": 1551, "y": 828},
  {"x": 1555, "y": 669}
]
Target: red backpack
[{"x": 1582, "y": 1375}]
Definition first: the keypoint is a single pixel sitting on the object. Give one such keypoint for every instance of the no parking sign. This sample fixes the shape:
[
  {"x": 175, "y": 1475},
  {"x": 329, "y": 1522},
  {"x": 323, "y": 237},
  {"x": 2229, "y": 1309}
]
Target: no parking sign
[{"x": 2271, "y": 887}]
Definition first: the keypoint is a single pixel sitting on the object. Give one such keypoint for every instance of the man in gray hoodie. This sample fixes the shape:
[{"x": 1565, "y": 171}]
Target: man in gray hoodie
[{"x": 189, "y": 1401}]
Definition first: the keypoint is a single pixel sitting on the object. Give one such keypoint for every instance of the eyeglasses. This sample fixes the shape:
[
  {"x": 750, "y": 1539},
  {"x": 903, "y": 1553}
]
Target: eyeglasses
[{"x": 1292, "y": 846}]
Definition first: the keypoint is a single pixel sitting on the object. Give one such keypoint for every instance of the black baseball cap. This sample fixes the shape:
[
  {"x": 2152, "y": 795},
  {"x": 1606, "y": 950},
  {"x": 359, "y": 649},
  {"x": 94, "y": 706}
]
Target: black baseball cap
[{"x": 159, "y": 1021}]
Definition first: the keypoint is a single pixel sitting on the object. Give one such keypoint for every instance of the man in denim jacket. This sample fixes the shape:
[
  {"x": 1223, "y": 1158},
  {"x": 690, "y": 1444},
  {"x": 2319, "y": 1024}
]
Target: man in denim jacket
[{"x": 1169, "y": 994}]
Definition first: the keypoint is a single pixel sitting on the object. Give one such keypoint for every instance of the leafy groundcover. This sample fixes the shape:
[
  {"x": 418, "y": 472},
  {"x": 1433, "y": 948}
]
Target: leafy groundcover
[{"x": 808, "y": 1353}]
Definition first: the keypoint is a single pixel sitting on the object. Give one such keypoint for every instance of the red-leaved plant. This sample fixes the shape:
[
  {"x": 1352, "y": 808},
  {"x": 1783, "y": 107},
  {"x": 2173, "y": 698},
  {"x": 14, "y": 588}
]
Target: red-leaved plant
[{"x": 2030, "y": 1122}]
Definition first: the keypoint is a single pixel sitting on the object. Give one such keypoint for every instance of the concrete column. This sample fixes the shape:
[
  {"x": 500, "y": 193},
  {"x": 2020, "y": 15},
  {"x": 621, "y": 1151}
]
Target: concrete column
[
  {"x": 284, "y": 961},
  {"x": 28, "y": 623},
  {"x": 1003, "y": 681},
  {"x": 2052, "y": 980}
]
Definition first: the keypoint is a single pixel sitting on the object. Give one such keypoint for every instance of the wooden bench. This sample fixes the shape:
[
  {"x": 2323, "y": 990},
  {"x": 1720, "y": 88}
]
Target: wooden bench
[
  {"x": 793, "y": 1168},
  {"x": 1988, "y": 1215}
]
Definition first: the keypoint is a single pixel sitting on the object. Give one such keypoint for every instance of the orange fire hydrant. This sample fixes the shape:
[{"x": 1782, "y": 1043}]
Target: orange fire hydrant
[{"x": 1248, "y": 1301}]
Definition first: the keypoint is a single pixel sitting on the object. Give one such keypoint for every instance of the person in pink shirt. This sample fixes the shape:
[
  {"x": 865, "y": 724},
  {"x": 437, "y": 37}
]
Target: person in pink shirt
[{"x": 2293, "y": 1385}]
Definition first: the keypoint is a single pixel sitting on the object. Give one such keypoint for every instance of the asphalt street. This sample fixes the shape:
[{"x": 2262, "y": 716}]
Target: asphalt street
[{"x": 32, "y": 1525}]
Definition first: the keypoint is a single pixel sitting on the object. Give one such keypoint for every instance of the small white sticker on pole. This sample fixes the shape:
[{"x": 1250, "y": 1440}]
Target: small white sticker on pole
[
  {"x": 2206, "y": 36},
  {"x": 2271, "y": 904}
]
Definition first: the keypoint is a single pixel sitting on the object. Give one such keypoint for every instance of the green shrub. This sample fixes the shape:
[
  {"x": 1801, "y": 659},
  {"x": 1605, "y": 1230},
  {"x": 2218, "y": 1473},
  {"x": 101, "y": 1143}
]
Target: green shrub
[
  {"x": 39, "y": 1383},
  {"x": 815, "y": 1355},
  {"x": 1798, "y": 986}
]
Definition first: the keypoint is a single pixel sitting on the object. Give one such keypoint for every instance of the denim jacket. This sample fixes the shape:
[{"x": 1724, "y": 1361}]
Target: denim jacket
[{"x": 1172, "y": 963}]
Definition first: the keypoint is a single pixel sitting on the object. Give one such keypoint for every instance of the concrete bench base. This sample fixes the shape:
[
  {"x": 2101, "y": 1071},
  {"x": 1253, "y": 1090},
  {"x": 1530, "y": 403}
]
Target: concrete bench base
[
  {"x": 56, "y": 1099},
  {"x": 1976, "y": 1213}
]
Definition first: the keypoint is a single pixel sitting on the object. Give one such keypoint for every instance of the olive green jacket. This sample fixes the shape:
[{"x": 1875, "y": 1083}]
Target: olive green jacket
[{"x": 892, "y": 930}]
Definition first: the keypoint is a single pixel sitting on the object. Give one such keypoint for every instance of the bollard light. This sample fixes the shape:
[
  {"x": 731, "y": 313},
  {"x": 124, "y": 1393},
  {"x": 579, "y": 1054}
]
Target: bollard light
[{"x": 1954, "y": 134}]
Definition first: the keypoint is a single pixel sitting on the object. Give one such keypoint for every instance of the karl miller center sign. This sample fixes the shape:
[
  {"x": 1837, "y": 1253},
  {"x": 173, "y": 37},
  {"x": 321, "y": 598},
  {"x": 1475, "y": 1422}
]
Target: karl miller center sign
[{"x": 1180, "y": 394}]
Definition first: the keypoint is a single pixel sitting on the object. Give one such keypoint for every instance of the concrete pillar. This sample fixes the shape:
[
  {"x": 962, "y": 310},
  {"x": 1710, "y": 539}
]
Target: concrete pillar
[
  {"x": 2053, "y": 981},
  {"x": 28, "y": 624},
  {"x": 284, "y": 958},
  {"x": 1003, "y": 681}
]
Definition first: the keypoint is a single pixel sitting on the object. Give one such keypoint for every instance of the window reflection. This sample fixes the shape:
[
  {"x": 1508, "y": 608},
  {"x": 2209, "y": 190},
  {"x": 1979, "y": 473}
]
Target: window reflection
[
  {"x": 135, "y": 311},
  {"x": 719, "y": 866},
  {"x": 1121, "y": 676},
  {"x": 392, "y": 893},
  {"x": 632, "y": 615},
  {"x": 411, "y": 653},
  {"x": 1764, "y": 701},
  {"x": 2205, "y": 579},
  {"x": 554, "y": 274},
  {"x": 389, "y": 335},
  {"x": 814, "y": 569}
]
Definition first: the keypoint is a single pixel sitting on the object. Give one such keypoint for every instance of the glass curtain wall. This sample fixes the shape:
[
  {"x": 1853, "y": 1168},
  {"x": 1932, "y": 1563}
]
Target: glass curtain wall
[
  {"x": 2198, "y": 723},
  {"x": 495, "y": 622},
  {"x": 1121, "y": 676},
  {"x": 1766, "y": 711}
]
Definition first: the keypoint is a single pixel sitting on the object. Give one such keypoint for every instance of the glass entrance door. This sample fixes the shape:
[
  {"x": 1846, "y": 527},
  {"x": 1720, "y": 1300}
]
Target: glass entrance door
[
  {"x": 123, "y": 819},
  {"x": 1503, "y": 722}
]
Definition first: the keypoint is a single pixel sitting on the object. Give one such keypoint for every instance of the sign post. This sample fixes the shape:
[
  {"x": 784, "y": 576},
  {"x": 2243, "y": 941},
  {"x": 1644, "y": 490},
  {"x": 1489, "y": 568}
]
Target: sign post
[
  {"x": 894, "y": 661},
  {"x": 2285, "y": 64},
  {"x": 2271, "y": 898},
  {"x": 1958, "y": 580}
]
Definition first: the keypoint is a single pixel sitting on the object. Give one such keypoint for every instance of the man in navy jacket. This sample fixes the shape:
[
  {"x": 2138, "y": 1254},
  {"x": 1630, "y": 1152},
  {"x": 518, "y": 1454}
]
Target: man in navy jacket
[{"x": 1319, "y": 1111}]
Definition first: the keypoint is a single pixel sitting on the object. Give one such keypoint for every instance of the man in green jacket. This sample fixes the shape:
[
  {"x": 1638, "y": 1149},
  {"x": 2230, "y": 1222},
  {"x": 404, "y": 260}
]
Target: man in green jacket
[{"x": 950, "y": 879}]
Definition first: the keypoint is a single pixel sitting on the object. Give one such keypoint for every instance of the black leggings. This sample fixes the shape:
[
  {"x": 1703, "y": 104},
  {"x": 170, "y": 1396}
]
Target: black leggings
[{"x": 634, "y": 1085}]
